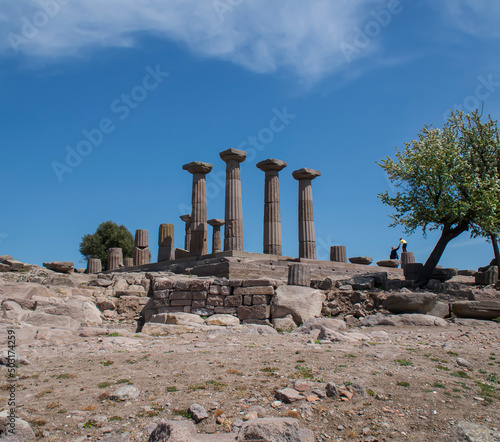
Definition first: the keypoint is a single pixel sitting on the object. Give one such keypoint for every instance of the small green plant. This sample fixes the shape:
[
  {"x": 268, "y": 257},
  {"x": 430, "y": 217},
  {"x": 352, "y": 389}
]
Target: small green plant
[
  {"x": 349, "y": 355},
  {"x": 451, "y": 353},
  {"x": 460, "y": 374},
  {"x": 487, "y": 390},
  {"x": 90, "y": 423},
  {"x": 180, "y": 412},
  {"x": 301, "y": 361},
  {"x": 403, "y": 384},
  {"x": 107, "y": 363},
  {"x": 115, "y": 418},
  {"x": 172, "y": 389},
  {"x": 304, "y": 371},
  {"x": 370, "y": 392},
  {"x": 438, "y": 385},
  {"x": 442, "y": 367},
  {"x": 113, "y": 335},
  {"x": 66, "y": 376},
  {"x": 317, "y": 341},
  {"x": 104, "y": 384},
  {"x": 123, "y": 381},
  {"x": 196, "y": 386},
  {"x": 269, "y": 369},
  {"x": 404, "y": 362}
]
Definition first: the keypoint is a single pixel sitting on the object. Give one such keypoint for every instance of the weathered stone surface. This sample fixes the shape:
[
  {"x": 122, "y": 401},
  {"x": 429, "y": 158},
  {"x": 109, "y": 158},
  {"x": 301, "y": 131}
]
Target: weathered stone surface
[
  {"x": 394, "y": 263},
  {"x": 198, "y": 412},
  {"x": 365, "y": 260},
  {"x": 288, "y": 395},
  {"x": 302, "y": 303},
  {"x": 124, "y": 393},
  {"x": 403, "y": 319},
  {"x": 8, "y": 357},
  {"x": 79, "y": 308},
  {"x": 472, "y": 432},
  {"x": 319, "y": 323},
  {"x": 476, "y": 309},
  {"x": 410, "y": 302},
  {"x": 407, "y": 258},
  {"x": 4, "y": 268},
  {"x": 338, "y": 254},
  {"x": 490, "y": 276},
  {"x": 94, "y": 265},
  {"x": 223, "y": 320},
  {"x": 440, "y": 309},
  {"x": 273, "y": 430},
  {"x": 166, "y": 329},
  {"x": 444, "y": 274},
  {"x": 60, "y": 266},
  {"x": 23, "y": 431},
  {"x": 48, "y": 320},
  {"x": 183, "y": 319},
  {"x": 284, "y": 324},
  {"x": 55, "y": 335},
  {"x": 115, "y": 258},
  {"x": 264, "y": 290},
  {"x": 233, "y": 301},
  {"x": 299, "y": 274},
  {"x": 182, "y": 431},
  {"x": 254, "y": 312},
  {"x": 216, "y": 224},
  {"x": 16, "y": 265},
  {"x": 412, "y": 270},
  {"x": 327, "y": 334}
]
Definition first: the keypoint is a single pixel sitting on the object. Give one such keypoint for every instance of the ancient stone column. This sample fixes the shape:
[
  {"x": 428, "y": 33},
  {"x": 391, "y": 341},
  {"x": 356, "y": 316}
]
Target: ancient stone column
[
  {"x": 338, "y": 254},
  {"x": 198, "y": 245},
  {"x": 115, "y": 258},
  {"x": 141, "y": 249},
  {"x": 272, "y": 214},
  {"x": 187, "y": 237},
  {"x": 94, "y": 265},
  {"x": 407, "y": 258},
  {"x": 307, "y": 240},
  {"x": 299, "y": 274},
  {"x": 166, "y": 249},
  {"x": 128, "y": 262},
  {"x": 233, "y": 228},
  {"x": 216, "y": 242}
]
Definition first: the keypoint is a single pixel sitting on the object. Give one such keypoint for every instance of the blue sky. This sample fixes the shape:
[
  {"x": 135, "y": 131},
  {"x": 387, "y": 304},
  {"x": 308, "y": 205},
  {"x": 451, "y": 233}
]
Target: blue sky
[{"x": 330, "y": 85}]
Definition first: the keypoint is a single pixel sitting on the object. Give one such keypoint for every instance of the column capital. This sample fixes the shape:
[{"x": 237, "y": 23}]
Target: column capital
[
  {"x": 198, "y": 167},
  {"x": 271, "y": 164},
  {"x": 305, "y": 174},
  {"x": 233, "y": 154},
  {"x": 216, "y": 222},
  {"x": 186, "y": 218}
]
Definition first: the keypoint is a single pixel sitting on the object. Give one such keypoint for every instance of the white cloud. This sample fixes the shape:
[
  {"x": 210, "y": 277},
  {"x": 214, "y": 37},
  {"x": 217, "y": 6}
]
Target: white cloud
[{"x": 261, "y": 35}]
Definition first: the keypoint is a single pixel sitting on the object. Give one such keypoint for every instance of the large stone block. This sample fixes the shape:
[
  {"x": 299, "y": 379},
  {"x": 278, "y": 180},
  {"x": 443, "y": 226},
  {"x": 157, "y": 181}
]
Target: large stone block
[
  {"x": 476, "y": 309},
  {"x": 410, "y": 302},
  {"x": 303, "y": 303},
  {"x": 254, "y": 312},
  {"x": 263, "y": 290},
  {"x": 181, "y": 295},
  {"x": 233, "y": 301},
  {"x": 215, "y": 300}
]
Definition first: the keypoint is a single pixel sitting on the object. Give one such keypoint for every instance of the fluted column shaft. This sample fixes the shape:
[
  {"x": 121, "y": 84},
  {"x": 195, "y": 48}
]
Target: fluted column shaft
[
  {"x": 187, "y": 237},
  {"x": 307, "y": 239},
  {"x": 272, "y": 214},
  {"x": 198, "y": 244},
  {"x": 216, "y": 240},
  {"x": 233, "y": 215}
]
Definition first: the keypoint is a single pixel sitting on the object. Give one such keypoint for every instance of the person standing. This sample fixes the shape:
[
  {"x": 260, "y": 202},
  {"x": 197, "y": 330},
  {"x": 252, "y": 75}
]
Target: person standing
[
  {"x": 394, "y": 252},
  {"x": 404, "y": 243}
]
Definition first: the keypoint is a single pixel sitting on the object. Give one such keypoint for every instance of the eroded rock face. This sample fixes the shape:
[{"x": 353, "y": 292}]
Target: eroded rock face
[
  {"x": 476, "y": 309},
  {"x": 303, "y": 303},
  {"x": 23, "y": 431},
  {"x": 409, "y": 302},
  {"x": 403, "y": 319}
]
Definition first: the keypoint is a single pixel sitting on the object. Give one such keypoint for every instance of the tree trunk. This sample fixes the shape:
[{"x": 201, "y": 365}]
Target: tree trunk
[
  {"x": 446, "y": 236},
  {"x": 495, "y": 250}
]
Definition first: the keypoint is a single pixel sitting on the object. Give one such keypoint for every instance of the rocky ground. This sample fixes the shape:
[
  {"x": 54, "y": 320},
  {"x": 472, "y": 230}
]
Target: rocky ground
[{"x": 342, "y": 378}]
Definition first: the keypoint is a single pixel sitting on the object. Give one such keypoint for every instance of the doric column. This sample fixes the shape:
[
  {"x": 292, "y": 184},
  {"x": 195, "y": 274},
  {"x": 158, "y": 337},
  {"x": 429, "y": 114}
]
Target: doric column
[
  {"x": 272, "y": 213},
  {"x": 141, "y": 249},
  {"x": 198, "y": 245},
  {"x": 216, "y": 242},
  {"x": 166, "y": 248},
  {"x": 187, "y": 238},
  {"x": 233, "y": 229},
  {"x": 115, "y": 258},
  {"x": 307, "y": 240}
]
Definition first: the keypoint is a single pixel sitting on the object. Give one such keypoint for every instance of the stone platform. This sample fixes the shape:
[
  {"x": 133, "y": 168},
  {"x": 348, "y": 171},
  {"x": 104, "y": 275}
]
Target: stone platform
[{"x": 246, "y": 265}]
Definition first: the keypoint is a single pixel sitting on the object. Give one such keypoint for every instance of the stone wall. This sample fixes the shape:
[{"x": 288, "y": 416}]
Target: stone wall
[{"x": 246, "y": 299}]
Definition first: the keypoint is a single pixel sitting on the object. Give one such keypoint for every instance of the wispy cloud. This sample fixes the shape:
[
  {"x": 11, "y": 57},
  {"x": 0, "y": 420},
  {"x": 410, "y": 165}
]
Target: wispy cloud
[{"x": 261, "y": 35}]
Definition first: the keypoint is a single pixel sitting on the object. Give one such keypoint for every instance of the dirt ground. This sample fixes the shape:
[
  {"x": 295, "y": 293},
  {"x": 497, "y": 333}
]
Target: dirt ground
[{"x": 415, "y": 389}]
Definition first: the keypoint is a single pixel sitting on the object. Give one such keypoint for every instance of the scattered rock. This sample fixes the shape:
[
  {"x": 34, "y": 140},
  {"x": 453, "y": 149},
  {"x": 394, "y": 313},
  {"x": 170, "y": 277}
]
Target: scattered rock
[
  {"x": 183, "y": 319},
  {"x": 8, "y": 357},
  {"x": 403, "y": 319},
  {"x": 124, "y": 393},
  {"x": 22, "y": 429},
  {"x": 288, "y": 395},
  {"x": 464, "y": 363},
  {"x": 222, "y": 320},
  {"x": 60, "y": 266},
  {"x": 476, "y": 309},
  {"x": 440, "y": 309},
  {"x": 365, "y": 260},
  {"x": 319, "y": 323},
  {"x": 471, "y": 432},
  {"x": 303, "y": 303},
  {"x": 274, "y": 430},
  {"x": 404, "y": 302},
  {"x": 198, "y": 412},
  {"x": 284, "y": 324}
]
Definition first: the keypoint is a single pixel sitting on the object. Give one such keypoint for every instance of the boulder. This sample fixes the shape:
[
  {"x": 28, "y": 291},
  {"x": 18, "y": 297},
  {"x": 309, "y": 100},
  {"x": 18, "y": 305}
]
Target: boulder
[
  {"x": 319, "y": 323},
  {"x": 153, "y": 329},
  {"x": 222, "y": 320},
  {"x": 56, "y": 335},
  {"x": 393, "y": 263},
  {"x": 472, "y": 432},
  {"x": 198, "y": 412},
  {"x": 13, "y": 311},
  {"x": 284, "y": 324},
  {"x": 441, "y": 310},
  {"x": 78, "y": 308},
  {"x": 22, "y": 429},
  {"x": 274, "y": 430},
  {"x": 402, "y": 320},
  {"x": 5, "y": 258},
  {"x": 23, "y": 292},
  {"x": 42, "y": 319},
  {"x": 409, "y": 302},
  {"x": 60, "y": 266},
  {"x": 183, "y": 319},
  {"x": 303, "y": 303},
  {"x": 365, "y": 260},
  {"x": 124, "y": 393},
  {"x": 327, "y": 334},
  {"x": 444, "y": 274},
  {"x": 476, "y": 309},
  {"x": 4, "y": 268},
  {"x": 16, "y": 266},
  {"x": 466, "y": 272}
]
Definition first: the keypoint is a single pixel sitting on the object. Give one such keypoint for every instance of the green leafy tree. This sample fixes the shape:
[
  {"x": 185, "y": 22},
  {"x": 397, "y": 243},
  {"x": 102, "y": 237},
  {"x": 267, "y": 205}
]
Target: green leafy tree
[
  {"x": 447, "y": 179},
  {"x": 107, "y": 235}
]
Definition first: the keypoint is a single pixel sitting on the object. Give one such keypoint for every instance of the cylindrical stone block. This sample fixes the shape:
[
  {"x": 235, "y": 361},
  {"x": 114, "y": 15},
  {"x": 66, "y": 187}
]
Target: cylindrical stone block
[
  {"x": 216, "y": 238},
  {"x": 94, "y": 266},
  {"x": 128, "y": 262},
  {"x": 115, "y": 258},
  {"x": 299, "y": 274},
  {"x": 233, "y": 217},
  {"x": 407, "y": 258},
  {"x": 338, "y": 254},
  {"x": 488, "y": 277},
  {"x": 141, "y": 256},
  {"x": 166, "y": 249},
  {"x": 412, "y": 270},
  {"x": 141, "y": 238},
  {"x": 187, "y": 237}
]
